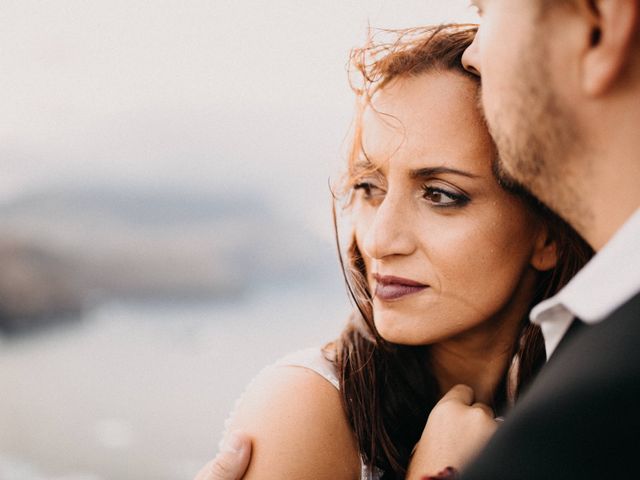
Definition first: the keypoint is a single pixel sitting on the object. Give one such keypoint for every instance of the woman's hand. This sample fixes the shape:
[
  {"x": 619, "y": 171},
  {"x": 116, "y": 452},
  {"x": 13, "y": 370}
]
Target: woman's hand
[
  {"x": 231, "y": 462},
  {"x": 456, "y": 431}
]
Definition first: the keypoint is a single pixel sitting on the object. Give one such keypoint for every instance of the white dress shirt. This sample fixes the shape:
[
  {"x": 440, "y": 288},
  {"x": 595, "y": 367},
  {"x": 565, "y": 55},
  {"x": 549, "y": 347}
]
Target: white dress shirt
[{"x": 609, "y": 280}]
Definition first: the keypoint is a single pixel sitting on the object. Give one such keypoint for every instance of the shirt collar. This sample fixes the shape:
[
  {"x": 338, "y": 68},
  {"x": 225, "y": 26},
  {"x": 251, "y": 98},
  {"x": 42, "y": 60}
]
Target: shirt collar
[{"x": 610, "y": 279}]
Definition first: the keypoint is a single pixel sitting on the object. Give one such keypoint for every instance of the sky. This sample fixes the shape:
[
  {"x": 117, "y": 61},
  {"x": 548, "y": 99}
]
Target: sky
[{"x": 210, "y": 95}]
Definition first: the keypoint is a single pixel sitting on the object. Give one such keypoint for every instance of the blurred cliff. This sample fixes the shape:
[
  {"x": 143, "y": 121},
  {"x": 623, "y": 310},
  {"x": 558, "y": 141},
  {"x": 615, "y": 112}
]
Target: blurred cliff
[{"x": 65, "y": 250}]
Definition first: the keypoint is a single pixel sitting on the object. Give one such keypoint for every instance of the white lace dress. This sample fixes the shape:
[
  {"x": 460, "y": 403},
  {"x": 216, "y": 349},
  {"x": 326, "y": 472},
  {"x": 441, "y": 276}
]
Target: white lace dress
[{"x": 314, "y": 360}]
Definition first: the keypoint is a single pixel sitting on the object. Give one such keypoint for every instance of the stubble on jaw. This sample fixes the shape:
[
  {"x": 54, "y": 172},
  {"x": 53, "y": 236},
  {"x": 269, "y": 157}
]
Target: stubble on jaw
[{"x": 538, "y": 144}]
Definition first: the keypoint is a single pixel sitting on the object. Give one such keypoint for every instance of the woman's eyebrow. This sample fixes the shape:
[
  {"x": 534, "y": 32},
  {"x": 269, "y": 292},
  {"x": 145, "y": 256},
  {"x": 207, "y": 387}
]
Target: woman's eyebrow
[
  {"x": 429, "y": 172},
  {"x": 365, "y": 165}
]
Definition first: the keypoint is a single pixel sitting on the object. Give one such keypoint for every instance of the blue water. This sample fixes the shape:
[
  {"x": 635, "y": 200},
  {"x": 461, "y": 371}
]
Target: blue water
[{"x": 142, "y": 391}]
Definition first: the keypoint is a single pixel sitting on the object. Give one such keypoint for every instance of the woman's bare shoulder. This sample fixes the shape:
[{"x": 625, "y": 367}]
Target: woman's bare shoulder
[{"x": 298, "y": 426}]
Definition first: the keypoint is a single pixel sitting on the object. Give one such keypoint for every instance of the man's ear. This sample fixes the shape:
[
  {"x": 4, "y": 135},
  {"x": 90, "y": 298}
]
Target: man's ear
[
  {"x": 612, "y": 34},
  {"x": 545, "y": 251}
]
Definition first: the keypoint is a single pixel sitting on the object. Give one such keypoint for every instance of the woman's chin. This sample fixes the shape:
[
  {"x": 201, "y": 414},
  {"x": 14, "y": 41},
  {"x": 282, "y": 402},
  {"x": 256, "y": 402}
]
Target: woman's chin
[{"x": 399, "y": 333}]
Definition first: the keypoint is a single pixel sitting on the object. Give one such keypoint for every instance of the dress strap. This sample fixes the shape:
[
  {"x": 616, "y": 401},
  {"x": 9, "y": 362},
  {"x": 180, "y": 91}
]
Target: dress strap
[{"x": 313, "y": 359}]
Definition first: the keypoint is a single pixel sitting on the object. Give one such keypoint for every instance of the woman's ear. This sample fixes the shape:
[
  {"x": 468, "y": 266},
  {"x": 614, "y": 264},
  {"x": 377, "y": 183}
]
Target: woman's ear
[{"x": 545, "y": 251}]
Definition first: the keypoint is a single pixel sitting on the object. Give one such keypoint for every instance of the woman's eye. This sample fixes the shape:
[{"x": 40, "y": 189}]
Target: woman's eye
[
  {"x": 444, "y": 198},
  {"x": 370, "y": 190}
]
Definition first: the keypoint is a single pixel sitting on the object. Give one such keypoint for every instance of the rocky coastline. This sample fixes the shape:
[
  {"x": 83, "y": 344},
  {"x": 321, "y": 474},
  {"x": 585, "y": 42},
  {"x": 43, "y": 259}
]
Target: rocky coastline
[{"x": 69, "y": 250}]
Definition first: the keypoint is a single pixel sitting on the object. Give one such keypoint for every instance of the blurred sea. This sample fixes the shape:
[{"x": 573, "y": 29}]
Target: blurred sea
[{"x": 137, "y": 391}]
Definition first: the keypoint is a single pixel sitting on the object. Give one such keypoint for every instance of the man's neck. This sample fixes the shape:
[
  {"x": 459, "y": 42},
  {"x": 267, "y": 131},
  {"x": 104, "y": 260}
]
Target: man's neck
[
  {"x": 601, "y": 189},
  {"x": 609, "y": 193}
]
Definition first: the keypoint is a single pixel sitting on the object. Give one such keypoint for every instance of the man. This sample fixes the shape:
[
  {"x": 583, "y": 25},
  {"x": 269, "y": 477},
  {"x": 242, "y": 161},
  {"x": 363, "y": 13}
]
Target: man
[{"x": 561, "y": 93}]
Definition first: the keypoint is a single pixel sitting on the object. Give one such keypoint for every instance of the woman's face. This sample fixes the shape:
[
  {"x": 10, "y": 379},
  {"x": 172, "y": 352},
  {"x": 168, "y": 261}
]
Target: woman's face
[{"x": 447, "y": 250}]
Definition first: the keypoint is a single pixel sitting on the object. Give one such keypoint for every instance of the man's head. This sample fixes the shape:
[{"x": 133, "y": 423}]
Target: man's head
[{"x": 561, "y": 84}]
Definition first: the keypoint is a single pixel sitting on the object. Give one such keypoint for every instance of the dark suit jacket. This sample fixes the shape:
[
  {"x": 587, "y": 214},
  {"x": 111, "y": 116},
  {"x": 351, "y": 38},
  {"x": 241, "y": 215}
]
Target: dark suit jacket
[{"x": 581, "y": 417}]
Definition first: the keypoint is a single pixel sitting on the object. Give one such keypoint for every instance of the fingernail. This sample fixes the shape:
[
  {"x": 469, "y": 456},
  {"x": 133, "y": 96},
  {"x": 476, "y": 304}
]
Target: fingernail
[{"x": 233, "y": 443}]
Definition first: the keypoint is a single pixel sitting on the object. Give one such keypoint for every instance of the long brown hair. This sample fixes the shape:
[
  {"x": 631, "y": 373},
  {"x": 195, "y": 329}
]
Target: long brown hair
[{"x": 388, "y": 390}]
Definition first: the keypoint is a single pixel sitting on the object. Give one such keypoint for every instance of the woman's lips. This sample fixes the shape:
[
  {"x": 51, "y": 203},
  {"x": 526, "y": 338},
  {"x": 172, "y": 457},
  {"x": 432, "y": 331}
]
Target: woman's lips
[{"x": 393, "y": 288}]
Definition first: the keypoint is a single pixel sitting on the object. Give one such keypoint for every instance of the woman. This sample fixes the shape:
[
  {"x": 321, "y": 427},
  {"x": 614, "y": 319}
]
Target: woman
[{"x": 444, "y": 265}]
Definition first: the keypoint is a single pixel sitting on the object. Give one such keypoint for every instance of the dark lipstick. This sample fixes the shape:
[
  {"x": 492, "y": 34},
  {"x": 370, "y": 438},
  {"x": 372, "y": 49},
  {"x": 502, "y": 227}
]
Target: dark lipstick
[{"x": 392, "y": 288}]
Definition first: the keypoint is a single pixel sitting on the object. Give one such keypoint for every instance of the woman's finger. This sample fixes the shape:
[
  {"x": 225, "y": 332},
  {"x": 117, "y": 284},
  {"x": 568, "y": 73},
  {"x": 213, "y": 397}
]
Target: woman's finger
[
  {"x": 485, "y": 408},
  {"x": 459, "y": 394}
]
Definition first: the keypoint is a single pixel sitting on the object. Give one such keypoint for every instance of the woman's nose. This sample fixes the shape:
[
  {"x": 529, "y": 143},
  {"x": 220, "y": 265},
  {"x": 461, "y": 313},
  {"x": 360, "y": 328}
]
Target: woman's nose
[{"x": 390, "y": 231}]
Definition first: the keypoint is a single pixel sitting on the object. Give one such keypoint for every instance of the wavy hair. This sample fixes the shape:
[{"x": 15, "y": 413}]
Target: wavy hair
[{"x": 387, "y": 389}]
